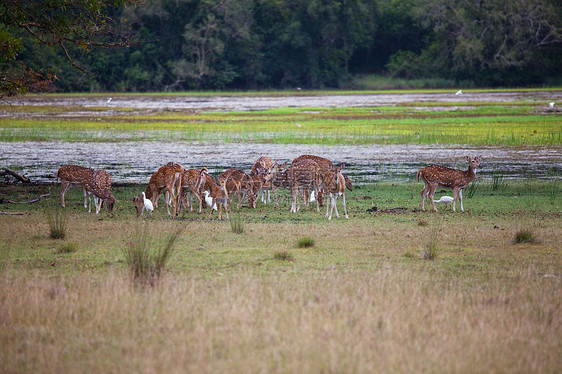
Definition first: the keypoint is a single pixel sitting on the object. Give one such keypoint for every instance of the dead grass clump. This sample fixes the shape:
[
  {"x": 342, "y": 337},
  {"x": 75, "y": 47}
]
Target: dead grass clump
[
  {"x": 237, "y": 223},
  {"x": 422, "y": 222},
  {"x": 430, "y": 252}
]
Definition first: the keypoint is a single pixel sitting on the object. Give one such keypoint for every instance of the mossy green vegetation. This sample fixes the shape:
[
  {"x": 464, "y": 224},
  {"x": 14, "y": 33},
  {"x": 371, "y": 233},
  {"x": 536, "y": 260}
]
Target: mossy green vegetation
[{"x": 510, "y": 123}]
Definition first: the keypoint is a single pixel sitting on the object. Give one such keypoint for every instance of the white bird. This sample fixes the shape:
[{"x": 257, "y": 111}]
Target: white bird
[
  {"x": 551, "y": 104},
  {"x": 109, "y": 100},
  {"x": 209, "y": 199},
  {"x": 147, "y": 204},
  {"x": 312, "y": 197},
  {"x": 298, "y": 88},
  {"x": 298, "y": 124},
  {"x": 459, "y": 92},
  {"x": 444, "y": 200}
]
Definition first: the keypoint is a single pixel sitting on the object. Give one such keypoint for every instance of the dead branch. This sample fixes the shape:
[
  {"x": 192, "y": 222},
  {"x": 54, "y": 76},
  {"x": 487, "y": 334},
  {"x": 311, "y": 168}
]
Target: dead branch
[
  {"x": 13, "y": 213},
  {"x": 28, "y": 202},
  {"x": 22, "y": 178}
]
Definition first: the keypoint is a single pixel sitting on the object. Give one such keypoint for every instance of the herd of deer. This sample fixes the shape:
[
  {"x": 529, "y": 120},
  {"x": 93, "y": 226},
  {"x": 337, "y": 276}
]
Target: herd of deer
[{"x": 305, "y": 173}]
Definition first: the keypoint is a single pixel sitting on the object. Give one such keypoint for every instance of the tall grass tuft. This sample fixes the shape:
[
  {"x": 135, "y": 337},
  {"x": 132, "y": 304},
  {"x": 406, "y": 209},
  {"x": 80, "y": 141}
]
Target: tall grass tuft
[
  {"x": 524, "y": 236},
  {"x": 237, "y": 223},
  {"x": 305, "y": 242},
  {"x": 498, "y": 181},
  {"x": 430, "y": 252},
  {"x": 56, "y": 218},
  {"x": 471, "y": 189},
  {"x": 146, "y": 264}
]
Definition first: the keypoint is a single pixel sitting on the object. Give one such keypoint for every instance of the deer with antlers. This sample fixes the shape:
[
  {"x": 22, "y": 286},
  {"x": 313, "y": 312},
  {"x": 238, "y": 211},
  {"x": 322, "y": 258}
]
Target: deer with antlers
[
  {"x": 436, "y": 175},
  {"x": 167, "y": 178},
  {"x": 93, "y": 182}
]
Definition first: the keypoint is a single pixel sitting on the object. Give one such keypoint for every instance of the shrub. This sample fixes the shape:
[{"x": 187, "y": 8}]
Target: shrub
[
  {"x": 430, "y": 252},
  {"x": 305, "y": 242},
  {"x": 56, "y": 218},
  {"x": 145, "y": 263}
]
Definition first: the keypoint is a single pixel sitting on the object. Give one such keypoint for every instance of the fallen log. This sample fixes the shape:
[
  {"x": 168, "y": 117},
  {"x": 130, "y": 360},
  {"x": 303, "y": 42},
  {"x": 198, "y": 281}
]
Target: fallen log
[
  {"x": 28, "y": 202},
  {"x": 13, "y": 213},
  {"x": 7, "y": 172}
]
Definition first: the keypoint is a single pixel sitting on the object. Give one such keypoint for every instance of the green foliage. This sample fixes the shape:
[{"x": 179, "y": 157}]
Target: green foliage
[
  {"x": 69, "y": 247},
  {"x": 237, "y": 223}
]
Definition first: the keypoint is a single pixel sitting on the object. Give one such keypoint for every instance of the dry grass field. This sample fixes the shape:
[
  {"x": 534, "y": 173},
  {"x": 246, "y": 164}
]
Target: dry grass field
[{"x": 385, "y": 291}]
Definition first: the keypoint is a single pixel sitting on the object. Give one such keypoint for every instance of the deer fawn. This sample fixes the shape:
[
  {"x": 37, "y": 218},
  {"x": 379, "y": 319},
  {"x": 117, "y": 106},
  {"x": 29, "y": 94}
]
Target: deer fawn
[
  {"x": 263, "y": 167},
  {"x": 219, "y": 195},
  {"x": 192, "y": 183},
  {"x": 436, "y": 175},
  {"x": 88, "y": 179}
]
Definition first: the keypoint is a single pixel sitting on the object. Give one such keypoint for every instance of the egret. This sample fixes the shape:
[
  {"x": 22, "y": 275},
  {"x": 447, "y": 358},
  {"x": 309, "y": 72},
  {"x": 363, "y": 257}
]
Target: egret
[
  {"x": 551, "y": 104},
  {"x": 209, "y": 199},
  {"x": 444, "y": 200},
  {"x": 147, "y": 204},
  {"x": 459, "y": 92},
  {"x": 109, "y": 100}
]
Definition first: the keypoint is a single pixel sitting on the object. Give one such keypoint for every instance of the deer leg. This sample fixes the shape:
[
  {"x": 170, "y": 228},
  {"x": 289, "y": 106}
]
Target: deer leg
[
  {"x": 344, "y": 207},
  {"x": 423, "y": 195},
  {"x": 460, "y": 198},
  {"x": 432, "y": 188},
  {"x": 65, "y": 186},
  {"x": 336, "y": 204},
  {"x": 327, "y": 209},
  {"x": 455, "y": 196}
]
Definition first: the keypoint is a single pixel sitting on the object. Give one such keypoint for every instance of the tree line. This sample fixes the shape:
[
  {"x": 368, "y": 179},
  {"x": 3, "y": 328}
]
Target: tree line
[{"x": 176, "y": 45}]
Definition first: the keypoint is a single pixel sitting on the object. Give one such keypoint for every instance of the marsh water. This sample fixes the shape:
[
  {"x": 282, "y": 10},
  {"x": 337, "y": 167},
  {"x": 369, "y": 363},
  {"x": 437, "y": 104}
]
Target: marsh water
[{"x": 135, "y": 161}]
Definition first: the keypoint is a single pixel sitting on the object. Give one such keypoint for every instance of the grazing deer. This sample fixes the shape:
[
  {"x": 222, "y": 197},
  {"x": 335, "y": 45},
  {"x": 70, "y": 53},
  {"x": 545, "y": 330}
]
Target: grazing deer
[
  {"x": 73, "y": 175},
  {"x": 302, "y": 175},
  {"x": 436, "y": 175},
  {"x": 323, "y": 163},
  {"x": 192, "y": 183},
  {"x": 255, "y": 184},
  {"x": 167, "y": 178},
  {"x": 332, "y": 182},
  {"x": 219, "y": 196}
]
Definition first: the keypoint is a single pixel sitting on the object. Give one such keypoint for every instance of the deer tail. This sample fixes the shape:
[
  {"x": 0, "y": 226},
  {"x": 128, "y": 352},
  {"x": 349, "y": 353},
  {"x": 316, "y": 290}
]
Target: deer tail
[{"x": 419, "y": 174}]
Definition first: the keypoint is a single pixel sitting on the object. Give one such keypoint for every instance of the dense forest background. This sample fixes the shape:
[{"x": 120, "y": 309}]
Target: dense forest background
[{"x": 262, "y": 44}]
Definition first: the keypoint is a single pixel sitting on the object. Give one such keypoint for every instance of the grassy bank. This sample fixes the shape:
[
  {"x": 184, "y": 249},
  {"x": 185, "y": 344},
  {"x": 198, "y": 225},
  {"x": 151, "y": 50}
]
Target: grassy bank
[
  {"x": 364, "y": 296},
  {"x": 510, "y": 123}
]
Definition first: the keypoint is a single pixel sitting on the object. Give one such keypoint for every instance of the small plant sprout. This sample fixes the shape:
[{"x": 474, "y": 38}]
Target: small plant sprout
[
  {"x": 56, "y": 219},
  {"x": 524, "y": 236},
  {"x": 282, "y": 255}
]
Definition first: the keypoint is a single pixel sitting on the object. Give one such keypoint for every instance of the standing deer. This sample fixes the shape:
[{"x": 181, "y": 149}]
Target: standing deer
[
  {"x": 236, "y": 181},
  {"x": 263, "y": 167},
  {"x": 436, "y": 175},
  {"x": 302, "y": 175},
  {"x": 219, "y": 195},
  {"x": 277, "y": 179},
  {"x": 333, "y": 182},
  {"x": 73, "y": 175},
  {"x": 167, "y": 178},
  {"x": 192, "y": 183}
]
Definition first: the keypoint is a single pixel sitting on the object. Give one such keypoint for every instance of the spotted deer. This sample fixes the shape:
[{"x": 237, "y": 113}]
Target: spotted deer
[
  {"x": 167, "y": 178},
  {"x": 302, "y": 175},
  {"x": 236, "y": 181},
  {"x": 333, "y": 183},
  {"x": 219, "y": 195},
  {"x": 322, "y": 163},
  {"x": 277, "y": 179},
  {"x": 262, "y": 167},
  {"x": 192, "y": 181},
  {"x": 87, "y": 178},
  {"x": 435, "y": 175}
]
